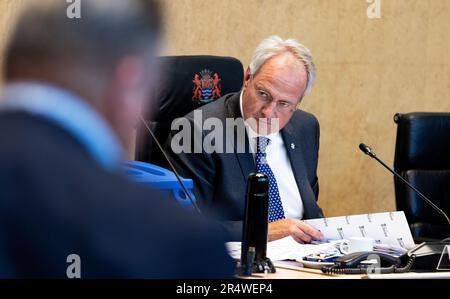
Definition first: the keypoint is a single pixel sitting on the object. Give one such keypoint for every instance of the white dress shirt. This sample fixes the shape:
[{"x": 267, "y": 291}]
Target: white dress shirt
[{"x": 279, "y": 162}]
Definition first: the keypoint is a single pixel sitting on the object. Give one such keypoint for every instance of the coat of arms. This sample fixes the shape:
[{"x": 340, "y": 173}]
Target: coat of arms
[{"x": 206, "y": 86}]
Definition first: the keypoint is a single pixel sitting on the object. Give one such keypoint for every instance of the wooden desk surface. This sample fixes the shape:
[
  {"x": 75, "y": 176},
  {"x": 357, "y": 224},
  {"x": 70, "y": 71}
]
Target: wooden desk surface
[{"x": 294, "y": 270}]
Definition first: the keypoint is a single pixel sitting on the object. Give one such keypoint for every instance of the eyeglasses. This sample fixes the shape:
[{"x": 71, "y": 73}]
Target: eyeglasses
[{"x": 281, "y": 106}]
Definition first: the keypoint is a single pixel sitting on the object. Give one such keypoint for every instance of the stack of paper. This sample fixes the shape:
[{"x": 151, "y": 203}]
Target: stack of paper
[
  {"x": 386, "y": 228},
  {"x": 283, "y": 249},
  {"x": 389, "y": 230},
  {"x": 390, "y": 249}
]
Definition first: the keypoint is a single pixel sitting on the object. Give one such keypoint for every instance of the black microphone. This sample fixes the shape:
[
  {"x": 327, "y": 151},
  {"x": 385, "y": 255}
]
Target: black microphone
[
  {"x": 255, "y": 226},
  {"x": 368, "y": 151},
  {"x": 183, "y": 186}
]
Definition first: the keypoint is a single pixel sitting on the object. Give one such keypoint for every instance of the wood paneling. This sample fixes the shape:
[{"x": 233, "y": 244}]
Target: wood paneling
[{"x": 368, "y": 69}]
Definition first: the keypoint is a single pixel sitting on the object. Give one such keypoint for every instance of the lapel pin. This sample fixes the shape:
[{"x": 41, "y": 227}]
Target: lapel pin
[{"x": 292, "y": 146}]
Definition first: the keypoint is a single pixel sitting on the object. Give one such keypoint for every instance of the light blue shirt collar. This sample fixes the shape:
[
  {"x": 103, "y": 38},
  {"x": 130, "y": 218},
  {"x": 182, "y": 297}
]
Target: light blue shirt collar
[{"x": 69, "y": 112}]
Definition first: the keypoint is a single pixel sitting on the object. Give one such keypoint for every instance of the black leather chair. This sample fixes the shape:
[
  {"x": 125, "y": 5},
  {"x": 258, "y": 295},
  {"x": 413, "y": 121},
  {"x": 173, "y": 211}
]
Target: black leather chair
[
  {"x": 422, "y": 157},
  {"x": 189, "y": 82}
]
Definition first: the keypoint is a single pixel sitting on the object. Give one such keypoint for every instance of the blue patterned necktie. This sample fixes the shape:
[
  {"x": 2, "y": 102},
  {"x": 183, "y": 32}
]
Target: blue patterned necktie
[{"x": 276, "y": 211}]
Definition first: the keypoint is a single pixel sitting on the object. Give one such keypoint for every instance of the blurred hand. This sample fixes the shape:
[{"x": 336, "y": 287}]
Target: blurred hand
[{"x": 297, "y": 229}]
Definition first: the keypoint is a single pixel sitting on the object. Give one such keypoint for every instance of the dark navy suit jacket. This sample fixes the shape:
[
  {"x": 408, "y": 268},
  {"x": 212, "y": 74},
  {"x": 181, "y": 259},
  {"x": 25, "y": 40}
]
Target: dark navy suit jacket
[
  {"x": 221, "y": 178},
  {"x": 56, "y": 200}
]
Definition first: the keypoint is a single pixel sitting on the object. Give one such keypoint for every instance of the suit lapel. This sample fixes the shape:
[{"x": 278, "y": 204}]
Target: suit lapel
[
  {"x": 245, "y": 159},
  {"x": 292, "y": 143}
]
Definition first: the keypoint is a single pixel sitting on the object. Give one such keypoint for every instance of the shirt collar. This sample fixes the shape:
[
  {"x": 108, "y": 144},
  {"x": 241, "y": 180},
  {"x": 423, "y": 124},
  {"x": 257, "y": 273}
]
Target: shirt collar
[{"x": 69, "y": 112}]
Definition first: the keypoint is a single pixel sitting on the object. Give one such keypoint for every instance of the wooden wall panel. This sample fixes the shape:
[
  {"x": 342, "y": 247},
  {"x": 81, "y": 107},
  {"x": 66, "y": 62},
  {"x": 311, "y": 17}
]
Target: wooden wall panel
[{"x": 368, "y": 69}]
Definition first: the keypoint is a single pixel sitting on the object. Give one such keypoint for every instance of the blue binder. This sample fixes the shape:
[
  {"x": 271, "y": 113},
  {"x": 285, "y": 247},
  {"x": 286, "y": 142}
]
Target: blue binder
[{"x": 161, "y": 179}]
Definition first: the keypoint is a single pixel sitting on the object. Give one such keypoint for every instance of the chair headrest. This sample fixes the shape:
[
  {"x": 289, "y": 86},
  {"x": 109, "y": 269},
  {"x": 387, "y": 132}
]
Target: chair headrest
[
  {"x": 423, "y": 141},
  {"x": 193, "y": 81}
]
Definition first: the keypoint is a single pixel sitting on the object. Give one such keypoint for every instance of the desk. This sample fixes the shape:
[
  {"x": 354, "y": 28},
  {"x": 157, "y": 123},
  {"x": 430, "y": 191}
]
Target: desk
[{"x": 294, "y": 270}]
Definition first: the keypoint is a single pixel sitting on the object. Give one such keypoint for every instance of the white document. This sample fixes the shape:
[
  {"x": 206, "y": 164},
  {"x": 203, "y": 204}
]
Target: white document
[
  {"x": 283, "y": 249},
  {"x": 390, "y": 231},
  {"x": 389, "y": 228}
]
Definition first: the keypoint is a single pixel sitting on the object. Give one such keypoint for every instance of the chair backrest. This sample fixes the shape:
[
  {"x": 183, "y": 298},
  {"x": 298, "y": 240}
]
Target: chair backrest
[
  {"x": 422, "y": 156},
  {"x": 189, "y": 83}
]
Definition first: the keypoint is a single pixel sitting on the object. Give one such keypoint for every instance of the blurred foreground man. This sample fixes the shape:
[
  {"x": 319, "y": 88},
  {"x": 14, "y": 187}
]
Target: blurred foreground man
[{"x": 73, "y": 92}]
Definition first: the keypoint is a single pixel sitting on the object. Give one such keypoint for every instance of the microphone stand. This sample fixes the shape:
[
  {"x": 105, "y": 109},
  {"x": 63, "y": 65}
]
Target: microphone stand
[
  {"x": 172, "y": 167},
  {"x": 368, "y": 151},
  {"x": 427, "y": 254}
]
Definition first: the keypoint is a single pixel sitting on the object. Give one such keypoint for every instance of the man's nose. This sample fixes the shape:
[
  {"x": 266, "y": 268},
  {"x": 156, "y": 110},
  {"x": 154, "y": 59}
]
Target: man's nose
[{"x": 269, "y": 110}]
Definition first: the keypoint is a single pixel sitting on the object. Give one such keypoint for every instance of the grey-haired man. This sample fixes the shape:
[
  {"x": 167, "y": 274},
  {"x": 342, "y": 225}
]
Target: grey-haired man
[{"x": 281, "y": 141}]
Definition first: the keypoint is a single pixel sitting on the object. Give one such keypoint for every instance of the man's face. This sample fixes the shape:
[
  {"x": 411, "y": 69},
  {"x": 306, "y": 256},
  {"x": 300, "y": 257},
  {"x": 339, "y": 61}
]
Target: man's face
[{"x": 273, "y": 94}]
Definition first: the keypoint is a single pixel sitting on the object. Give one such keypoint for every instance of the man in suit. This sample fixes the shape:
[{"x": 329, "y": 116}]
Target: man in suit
[
  {"x": 70, "y": 103},
  {"x": 280, "y": 140}
]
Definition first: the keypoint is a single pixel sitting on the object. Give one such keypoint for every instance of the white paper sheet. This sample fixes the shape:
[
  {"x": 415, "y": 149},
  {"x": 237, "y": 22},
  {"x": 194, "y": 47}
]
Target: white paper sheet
[
  {"x": 283, "y": 249},
  {"x": 386, "y": 228}
]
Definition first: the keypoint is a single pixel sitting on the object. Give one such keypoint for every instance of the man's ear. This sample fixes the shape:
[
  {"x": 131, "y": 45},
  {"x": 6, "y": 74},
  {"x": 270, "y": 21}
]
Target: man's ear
[
  {"x": 247, "y": 77},
  {"x": 129, "y": 72}
]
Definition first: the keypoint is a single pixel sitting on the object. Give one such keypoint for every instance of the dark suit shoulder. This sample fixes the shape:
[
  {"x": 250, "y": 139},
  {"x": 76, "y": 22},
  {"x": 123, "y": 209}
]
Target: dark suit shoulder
[
  {"x": 51, "y": 185},
  {"x": 304, "y": 119}
]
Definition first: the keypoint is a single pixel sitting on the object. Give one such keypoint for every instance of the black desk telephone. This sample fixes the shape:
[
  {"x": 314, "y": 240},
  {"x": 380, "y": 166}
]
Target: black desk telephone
[
  {"x": 424, "y": 257},
  {"x": 366, "y": 262}
]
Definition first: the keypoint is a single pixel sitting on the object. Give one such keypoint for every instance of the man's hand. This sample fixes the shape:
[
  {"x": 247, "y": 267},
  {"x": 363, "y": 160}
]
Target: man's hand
[{"x": 299, "y": 230}]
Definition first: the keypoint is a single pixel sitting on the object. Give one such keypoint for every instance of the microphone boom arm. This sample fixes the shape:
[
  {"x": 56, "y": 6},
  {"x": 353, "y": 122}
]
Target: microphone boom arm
[
  {"x": 183, "y": 186},
  {"x": 415, "y": 190}
]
